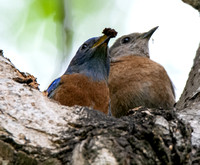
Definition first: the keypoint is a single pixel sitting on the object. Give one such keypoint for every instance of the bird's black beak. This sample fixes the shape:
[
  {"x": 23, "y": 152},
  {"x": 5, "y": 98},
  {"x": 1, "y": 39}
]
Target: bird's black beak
[{"x": 149, "y": 33}]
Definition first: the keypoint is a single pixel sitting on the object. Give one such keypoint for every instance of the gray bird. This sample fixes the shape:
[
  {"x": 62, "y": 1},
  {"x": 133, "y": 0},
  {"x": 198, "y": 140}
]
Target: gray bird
[{"x": 135, "y": 80}]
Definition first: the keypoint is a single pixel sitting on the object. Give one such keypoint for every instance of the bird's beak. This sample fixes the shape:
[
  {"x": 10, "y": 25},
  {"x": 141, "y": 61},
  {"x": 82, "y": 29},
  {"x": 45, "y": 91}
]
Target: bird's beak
[
  {"x": 103, "y": 39},
  {"x": 149, "y": 33}
]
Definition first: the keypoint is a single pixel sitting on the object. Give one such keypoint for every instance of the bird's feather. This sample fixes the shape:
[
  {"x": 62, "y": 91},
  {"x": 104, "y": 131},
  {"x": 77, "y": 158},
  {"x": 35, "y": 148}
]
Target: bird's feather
[{"x": 52, "y": 87}]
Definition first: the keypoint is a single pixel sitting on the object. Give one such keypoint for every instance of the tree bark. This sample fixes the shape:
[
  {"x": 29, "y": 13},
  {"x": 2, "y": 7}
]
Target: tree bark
[
  {"x": 188, "y": 105},
  {"x": 193, "y": 3}
]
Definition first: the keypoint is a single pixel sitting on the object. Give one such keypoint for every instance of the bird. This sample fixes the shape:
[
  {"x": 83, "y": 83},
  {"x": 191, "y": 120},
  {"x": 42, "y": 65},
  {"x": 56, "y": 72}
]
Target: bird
[
  {"x": 85, "y": 82},
  {"x": 135, "y": 80}
]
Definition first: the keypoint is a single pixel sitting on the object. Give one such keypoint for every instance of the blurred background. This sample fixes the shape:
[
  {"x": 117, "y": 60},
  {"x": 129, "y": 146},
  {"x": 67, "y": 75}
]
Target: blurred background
[{"x": 41, "y": 36}]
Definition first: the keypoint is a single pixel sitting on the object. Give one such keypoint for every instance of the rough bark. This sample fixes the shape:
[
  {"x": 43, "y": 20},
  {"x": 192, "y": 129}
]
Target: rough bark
[
  {"x": 193, "y": 3},
  {"x": 189, "y": 105},
  {"x": 191, "y": 91},
  {"x": 36, "y": 130}
]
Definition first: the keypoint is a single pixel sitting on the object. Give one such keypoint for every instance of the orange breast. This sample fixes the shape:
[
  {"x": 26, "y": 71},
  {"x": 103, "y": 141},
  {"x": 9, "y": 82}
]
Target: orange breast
[
  {"x": 138, "y": 81},
  {"x": 77, "y": 89}
]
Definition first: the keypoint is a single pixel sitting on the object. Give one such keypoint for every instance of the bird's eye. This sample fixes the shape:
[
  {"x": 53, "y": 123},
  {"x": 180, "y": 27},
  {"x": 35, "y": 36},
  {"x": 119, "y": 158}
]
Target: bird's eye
[
  {"x": 84, "y": 46},
  {"x": 126, "y": 40}
]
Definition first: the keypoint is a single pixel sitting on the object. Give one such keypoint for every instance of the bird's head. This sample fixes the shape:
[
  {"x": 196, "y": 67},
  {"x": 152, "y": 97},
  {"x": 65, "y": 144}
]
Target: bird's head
[
  {"x": 132, "y": 44},
  {"x": 92, "y": 58}
]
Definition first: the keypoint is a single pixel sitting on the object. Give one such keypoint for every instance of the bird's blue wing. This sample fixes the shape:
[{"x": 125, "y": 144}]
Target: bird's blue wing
[{"x": 52, "y": 87}]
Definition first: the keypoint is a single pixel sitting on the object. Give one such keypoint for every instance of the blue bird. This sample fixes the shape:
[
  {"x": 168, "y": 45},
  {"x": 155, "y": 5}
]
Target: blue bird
[{"x": 85, "y": 82}]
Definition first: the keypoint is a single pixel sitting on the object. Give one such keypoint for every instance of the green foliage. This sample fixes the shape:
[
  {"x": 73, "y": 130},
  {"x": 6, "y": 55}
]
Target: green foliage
[
  {"x": 84, "y": 8},
  {"x": 44, "y": 9},
  {"x": 43, "y": 23}
]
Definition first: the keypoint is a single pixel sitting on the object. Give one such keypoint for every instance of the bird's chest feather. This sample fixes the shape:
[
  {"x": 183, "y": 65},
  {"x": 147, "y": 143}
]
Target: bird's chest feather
[
  {"x": 77, "y": 89},
  {"x": 137, "y": 77},
  {"x": 128, "y": 70},
  {"x": 135, "y": 81}
]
